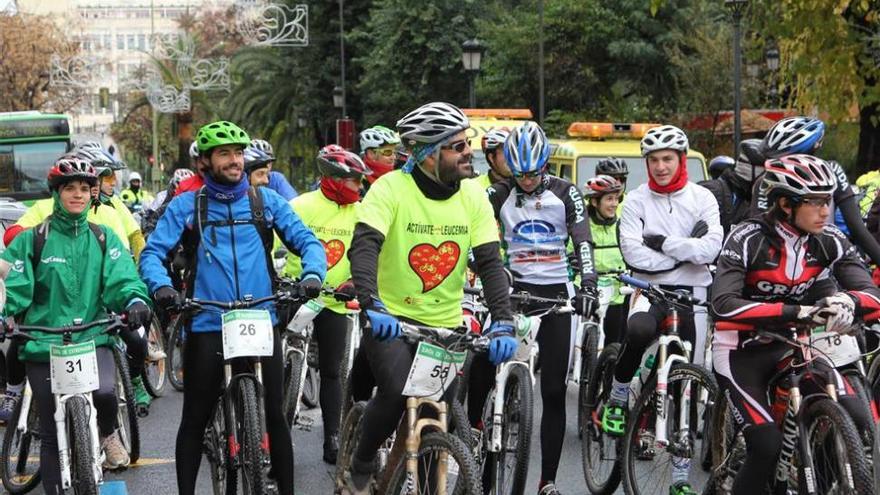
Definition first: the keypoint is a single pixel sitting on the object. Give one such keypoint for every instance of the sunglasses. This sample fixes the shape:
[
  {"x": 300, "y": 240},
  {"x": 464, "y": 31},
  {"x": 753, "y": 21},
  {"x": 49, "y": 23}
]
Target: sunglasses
[
  {"x": 817, "y": 202},
  {"x": 528, "y": 175},
  {"x": 386, "y": 152},
  {"x": 458, "y": 146}
]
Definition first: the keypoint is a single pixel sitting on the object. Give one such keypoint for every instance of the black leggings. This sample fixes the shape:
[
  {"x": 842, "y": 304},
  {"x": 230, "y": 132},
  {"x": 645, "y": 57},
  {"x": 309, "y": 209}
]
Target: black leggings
[
  {"x": 641, "y": 330},
  {"x": 614, "y": 324},
  {"x": 105, "y": 402},
  {"x": 203, "y": 362},
  {"x": 136, "y": 349},
  {"x": 554, "y": 344},
  {"x": 331, "y": 332}
]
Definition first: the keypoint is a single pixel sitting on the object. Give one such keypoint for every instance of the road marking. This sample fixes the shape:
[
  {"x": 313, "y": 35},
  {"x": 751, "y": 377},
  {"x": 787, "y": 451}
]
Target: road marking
[{"x": 144, "y": 462}]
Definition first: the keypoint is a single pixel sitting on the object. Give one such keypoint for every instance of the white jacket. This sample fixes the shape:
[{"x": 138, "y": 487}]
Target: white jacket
[{"x": 684, "y": 260}]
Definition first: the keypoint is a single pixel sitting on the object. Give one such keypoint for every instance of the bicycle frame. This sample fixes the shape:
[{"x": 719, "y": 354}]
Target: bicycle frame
[
  {"x": 501, "y": 375},
  {"x": 415, "y": 425}
]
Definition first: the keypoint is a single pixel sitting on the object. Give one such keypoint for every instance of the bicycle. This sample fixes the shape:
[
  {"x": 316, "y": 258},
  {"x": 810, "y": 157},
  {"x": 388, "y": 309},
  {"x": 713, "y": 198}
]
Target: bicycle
[
  {"x": 821, "y": 445},
  {"x": 410, "y": 467},
  {"x": 74, "y": 378},
  {"x": 20, "y": 454},
  {"x": 666, "y": 394},
  {"x": 508, "y": 415},
  {"x": 235, "y": 437}
]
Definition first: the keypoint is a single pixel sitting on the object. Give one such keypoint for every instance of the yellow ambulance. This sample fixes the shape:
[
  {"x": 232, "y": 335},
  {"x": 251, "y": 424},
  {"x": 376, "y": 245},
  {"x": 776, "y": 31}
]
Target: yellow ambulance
[
  {"x": 575, "y": 158},
  {"x": 485, "y": 119}
]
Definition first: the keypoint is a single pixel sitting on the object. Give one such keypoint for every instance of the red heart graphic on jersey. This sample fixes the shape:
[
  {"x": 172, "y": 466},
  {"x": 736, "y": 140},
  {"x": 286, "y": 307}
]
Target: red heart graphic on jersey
[
  {"x": 334, "y": 251},
  {"x": 433, "y": 264}
]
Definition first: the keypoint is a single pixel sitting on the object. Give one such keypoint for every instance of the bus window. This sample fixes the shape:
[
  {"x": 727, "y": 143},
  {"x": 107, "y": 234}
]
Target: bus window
[{"x": 23, "y": 166}]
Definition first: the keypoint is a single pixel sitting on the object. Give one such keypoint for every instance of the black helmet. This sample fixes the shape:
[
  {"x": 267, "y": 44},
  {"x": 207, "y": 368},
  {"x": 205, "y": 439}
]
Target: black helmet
[{"x": 615, "y": 167}]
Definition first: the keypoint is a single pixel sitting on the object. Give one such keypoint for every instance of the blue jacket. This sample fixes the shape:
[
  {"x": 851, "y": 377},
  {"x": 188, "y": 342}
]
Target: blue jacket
[
  {"x": 231, "y": 259},
  {"x": 279, "y": 184}
]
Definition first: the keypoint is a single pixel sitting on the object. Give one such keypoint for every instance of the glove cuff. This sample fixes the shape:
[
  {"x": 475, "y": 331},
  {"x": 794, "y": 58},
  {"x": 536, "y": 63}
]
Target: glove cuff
[{"x": 502, "y": 328}]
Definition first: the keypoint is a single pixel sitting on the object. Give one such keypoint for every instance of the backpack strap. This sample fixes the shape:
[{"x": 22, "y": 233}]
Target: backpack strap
[
  {"x": 41, "y": 232},
  {"x": 264, "y": 228}
]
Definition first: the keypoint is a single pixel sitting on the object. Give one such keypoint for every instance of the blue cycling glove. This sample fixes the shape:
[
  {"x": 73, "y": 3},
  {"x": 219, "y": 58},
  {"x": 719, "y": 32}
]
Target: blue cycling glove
[
  {"x": 384, "y": 326},
  {"x": 502, "y": 345}
]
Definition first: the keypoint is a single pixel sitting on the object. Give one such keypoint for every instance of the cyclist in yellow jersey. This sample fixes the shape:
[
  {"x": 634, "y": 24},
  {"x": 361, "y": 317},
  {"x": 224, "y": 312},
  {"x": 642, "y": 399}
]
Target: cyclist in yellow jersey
[
  {"x": 131, "y": 227},
  {"x": 135, "y": 197},
  {"x": 330, "y": 213},
  {"x": 408, "y": 257}
]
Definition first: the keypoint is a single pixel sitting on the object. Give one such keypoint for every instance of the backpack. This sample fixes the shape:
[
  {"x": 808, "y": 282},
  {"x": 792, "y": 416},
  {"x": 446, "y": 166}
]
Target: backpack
[
  {"x": 41, "y": 232},
  {"x": 192, "y": 237},
  {"x": 724, "y": 196}
]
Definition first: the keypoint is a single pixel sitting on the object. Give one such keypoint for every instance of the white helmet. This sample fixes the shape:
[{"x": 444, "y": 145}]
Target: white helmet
[
  {"x": 376, "y": 136},
  {"x": 666, "y": 137},
  {"x": 798, "y": 175},
  {"x": 527, "y": 149},
  {"x": 194, "y": 150},
  {"x": 134, "y": 176},
  {"x": 432, "y": 123},
  {"x": 264, "y": 146},
  {"x": 180, "y": 175},
  {"x": 494, "y": 138}
]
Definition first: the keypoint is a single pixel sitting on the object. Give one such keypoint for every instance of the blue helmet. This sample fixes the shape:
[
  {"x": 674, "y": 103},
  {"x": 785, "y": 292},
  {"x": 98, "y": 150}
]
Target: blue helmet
[
  {"x": 527, "y": 149},
  {"x": 793, "y": 135}
]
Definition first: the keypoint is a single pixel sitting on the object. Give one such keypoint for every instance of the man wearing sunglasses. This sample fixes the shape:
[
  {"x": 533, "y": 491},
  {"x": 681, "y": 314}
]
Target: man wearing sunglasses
[
  {"x": 539, "y": 214},
  {"x": 408, "y": 256},
  {"x": 378, "y": 145},
  {"x": 670, "y": 231}
]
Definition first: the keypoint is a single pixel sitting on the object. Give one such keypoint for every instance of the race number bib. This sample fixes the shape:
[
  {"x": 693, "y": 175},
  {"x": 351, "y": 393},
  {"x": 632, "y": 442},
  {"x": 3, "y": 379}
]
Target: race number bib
[
  {"x": 606, "y": 294},
  {"x": 839, "y": 349},
  {"x": 247, "y": 333},
  {"x": 432, "y": 372},
  {"x": 304, "y": 315},
  {"x": 73, "y": 368},
  {"x": 526, "y": 332}
]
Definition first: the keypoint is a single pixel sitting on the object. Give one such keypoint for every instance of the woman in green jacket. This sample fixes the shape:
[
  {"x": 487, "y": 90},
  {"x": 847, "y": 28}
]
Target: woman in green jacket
[
  {"x": 602, "y": 194},
  {"x": 76, "y": 277}
]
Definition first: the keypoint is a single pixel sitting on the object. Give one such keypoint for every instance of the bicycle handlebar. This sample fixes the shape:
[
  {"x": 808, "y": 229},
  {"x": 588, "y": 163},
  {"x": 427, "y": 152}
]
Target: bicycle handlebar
[
  {"x": 679, "y": 297},
  {"x": 471, "y": 341},
  {"x": 114, "y": 323}
]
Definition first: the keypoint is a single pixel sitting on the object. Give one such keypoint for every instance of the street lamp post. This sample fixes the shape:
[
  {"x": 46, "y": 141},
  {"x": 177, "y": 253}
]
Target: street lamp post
[
  {"x": 339, "y": 98},
  {"x": 471, "y": 57},
  {"x": 342, "y": 59},
  {"x": 771, "y": 56},
  {"x": 737, "y": 8}
]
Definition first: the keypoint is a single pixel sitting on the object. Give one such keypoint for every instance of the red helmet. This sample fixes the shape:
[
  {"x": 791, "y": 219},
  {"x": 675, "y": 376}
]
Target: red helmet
[
  {"x": 69, "y": 168},
  {"x": 330, "y": 148},
  {"x": 342, "y": 164},
  {"x": 601, "y": 185}
]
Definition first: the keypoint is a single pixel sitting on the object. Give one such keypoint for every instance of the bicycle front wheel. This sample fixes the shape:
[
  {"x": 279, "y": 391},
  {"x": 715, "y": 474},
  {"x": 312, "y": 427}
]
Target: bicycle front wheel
[
  {"x": 251, "y": 428},
  {"x": 223, "y": 476},
  {"x": 154, "y": 371},
  {"x": 129, "y": 428},
  {"x": 839, "y": 465},
  {"x": 589, "y": 356},
  {"x": 20, "y": 456},
  {"x": 174, "y": 355},
  {"x": 311, "y": 388},
  {"x": 459, "y": 468},
  {"x": 648, "y": 470},
  {"x": 511, "y": 464},
  {"x": 81, "y": 461},
  {"x": 293, "y": 380},
  {"x": 348, "y": 436},
  {"x": 599, "y": 451}
]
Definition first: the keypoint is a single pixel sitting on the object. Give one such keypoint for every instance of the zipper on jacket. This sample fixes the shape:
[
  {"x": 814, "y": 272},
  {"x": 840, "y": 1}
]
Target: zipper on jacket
[
  {"x": 669, "y": 200},
  {"x": 234, "y": 257}
]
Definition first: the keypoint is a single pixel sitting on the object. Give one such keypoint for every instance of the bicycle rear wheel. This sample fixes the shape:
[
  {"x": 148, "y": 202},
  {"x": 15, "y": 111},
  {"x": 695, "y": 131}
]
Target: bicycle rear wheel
[
  {"x": 174, "y": 355},
  {"x": 83, "y": 480},
  {"x": 129, "y": 428},
  {"x": 600, "y": 451},
  {"x": 154, "y": 371},
  {"x": 251, "y": 429},
  {"x": 20, "y": 455},
  {"x": 460, "y": 469},
  {"x": 836, "y": 451},
  {"x": 510, "y": 466},
  {"x": 647, "y": 470},
  {"x": 224, "y": 477}
]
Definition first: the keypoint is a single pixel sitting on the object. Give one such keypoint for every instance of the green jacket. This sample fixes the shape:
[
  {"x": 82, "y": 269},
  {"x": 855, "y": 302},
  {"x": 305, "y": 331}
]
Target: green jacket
[
  {"x": 607, "y": 255},
  {"x": 74, "y": 279}
]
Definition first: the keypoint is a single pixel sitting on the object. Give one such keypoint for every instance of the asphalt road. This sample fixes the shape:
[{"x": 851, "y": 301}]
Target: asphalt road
[{"x": 155, "y": 472}]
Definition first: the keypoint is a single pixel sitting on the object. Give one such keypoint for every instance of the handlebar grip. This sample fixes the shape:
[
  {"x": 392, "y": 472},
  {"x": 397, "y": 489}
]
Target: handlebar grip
[
  {"x": 472, "y": 291},
  {"x": 639, "y": 284}
]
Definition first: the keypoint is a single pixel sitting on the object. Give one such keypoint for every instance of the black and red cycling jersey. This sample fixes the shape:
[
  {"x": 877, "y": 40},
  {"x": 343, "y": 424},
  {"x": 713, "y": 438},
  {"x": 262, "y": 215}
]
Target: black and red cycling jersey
[{"x": 767, "y": 269}]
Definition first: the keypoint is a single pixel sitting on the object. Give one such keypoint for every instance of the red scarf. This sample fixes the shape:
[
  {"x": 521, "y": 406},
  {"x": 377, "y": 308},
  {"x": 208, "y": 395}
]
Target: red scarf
[
  {"x": 335, "y": 191},
  {"x": 678, "y": 180},
  {"x": 379, "y": 169}
]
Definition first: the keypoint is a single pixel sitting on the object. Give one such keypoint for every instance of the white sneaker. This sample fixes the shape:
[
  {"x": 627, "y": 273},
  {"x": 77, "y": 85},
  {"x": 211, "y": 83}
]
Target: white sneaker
[
  {"x": 155, "y": 353},
  {"x": 115, "y": 455}
]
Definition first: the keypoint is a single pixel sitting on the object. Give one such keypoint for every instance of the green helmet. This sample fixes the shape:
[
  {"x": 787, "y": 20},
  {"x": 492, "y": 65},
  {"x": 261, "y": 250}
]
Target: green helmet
[{"x": 221, "y": 133}]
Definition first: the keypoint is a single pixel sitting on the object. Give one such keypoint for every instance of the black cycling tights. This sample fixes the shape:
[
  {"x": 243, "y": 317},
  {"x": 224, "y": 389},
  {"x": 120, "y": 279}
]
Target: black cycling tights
[
  {"x": 554, "y": 344},
  {"x": 203, "y": 362},
  {"x": 331, "y": 331}
]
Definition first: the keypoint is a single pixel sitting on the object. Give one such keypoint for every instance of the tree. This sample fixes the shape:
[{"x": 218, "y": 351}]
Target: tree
[
  {"x": 27, "y": 43},
  {"x": 830, "y": 54},
  {"x": 129, "y": 134}
]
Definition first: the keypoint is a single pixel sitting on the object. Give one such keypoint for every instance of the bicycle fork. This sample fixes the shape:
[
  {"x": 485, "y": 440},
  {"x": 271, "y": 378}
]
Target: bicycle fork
[
  {"x": 62, "y": 434},
  {"x": 683, "y": 407},
  {"x": 233, "y": 444},
  {"x": 414, "y": 439}
]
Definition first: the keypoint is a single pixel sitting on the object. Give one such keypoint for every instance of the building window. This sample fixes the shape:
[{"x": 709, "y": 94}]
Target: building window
[
  {"x": 131, "y": 42},
  {"x": 142, "y": 41},
  {"x": 120, "y": 42}
]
